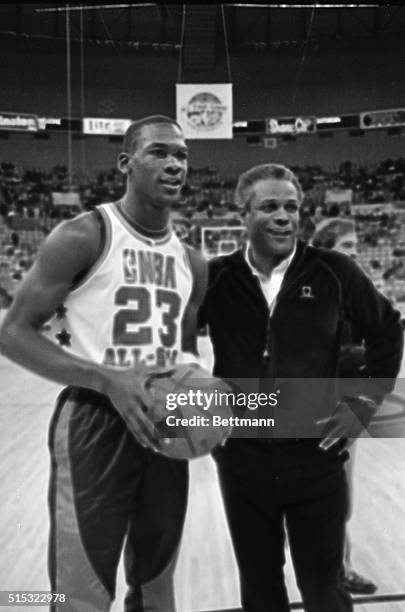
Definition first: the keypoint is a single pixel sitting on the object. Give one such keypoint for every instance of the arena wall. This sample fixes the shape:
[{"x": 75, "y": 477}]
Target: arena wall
[{"x": 335, "y": 77}]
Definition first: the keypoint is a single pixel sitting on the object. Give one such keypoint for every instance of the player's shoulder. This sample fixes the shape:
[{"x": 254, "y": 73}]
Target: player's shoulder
[
  {"x": 81, "y": 235},
  {"x": 84, "y": 226}
]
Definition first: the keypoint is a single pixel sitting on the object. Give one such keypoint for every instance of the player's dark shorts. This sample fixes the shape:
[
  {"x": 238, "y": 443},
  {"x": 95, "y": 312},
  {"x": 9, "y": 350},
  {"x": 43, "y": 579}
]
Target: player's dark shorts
[{"x": 103, "y": 486}]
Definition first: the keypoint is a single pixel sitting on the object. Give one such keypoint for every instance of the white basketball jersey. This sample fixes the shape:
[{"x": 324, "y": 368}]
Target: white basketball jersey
[{"x": 129, "y": 308}]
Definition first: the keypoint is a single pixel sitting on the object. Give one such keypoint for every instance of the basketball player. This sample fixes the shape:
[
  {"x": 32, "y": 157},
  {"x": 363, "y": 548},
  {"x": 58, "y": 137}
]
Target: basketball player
[
  {"x": 274, "y": 310},
  {"x": 125, "y": 292},
  {"x": 340, "y": 234}
]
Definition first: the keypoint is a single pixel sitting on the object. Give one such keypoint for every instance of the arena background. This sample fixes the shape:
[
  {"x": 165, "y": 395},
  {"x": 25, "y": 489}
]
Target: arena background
[{"x": 123, "y": 61}]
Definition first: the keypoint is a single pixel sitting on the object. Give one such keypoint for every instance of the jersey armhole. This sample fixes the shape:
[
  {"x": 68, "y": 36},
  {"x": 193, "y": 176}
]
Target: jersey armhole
[
  {"x": 104, "y": 226},
  {"x": 199, "y": 273},
  {"x": 199, "y": 270}
]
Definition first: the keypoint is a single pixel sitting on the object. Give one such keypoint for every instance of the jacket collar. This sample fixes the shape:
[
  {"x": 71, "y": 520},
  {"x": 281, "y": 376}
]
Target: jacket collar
[
  {"x": 238, "y": 257},
  {"x": 281, "y": 267},
  {"x": 304, "y": 257}
]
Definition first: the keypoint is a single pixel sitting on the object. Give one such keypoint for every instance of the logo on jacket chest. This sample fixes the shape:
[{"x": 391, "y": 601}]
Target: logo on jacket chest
[{"x": 306, "y": 293}]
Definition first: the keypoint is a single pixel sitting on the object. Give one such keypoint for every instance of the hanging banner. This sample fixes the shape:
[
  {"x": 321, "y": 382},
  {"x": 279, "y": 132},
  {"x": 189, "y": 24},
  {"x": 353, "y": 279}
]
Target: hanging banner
[{"x": 205, "y": 111}]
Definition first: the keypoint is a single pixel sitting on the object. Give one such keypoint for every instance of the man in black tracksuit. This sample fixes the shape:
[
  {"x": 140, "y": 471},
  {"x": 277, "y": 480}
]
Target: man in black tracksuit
[{"x": 275, "y": 312}]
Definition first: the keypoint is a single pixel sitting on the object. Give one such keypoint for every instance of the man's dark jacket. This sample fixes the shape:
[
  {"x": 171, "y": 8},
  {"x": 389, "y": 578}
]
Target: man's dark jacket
[{"x": 301, "y": 339}]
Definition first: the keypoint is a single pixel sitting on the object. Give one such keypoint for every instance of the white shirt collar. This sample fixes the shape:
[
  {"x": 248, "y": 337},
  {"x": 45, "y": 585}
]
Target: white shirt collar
[{"x": 280, "y": 269}]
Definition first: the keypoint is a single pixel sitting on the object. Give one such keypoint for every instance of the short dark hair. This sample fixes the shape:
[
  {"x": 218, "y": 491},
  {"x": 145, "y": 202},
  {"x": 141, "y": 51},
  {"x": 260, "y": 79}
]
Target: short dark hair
[
  {"x": 133, "y": 132},
  {"x": 248, "y": 179}
]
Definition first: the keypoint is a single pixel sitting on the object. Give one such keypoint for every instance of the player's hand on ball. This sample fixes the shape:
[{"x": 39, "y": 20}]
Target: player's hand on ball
[
  {"x": 128, "y": 393},
  {"x": 187, "y": 427}
]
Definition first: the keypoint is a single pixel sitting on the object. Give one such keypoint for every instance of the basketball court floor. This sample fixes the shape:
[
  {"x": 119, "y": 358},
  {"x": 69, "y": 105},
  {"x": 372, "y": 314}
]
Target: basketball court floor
[{"x": 206, "y": 575}]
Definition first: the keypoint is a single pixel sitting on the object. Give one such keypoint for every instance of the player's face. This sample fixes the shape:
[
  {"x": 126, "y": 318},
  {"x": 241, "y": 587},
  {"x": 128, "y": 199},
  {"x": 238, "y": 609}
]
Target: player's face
[
  {"x": 158, "y": 166},
  {"x": 347, "y": 244},
  {"x": 272, "y": 222}
]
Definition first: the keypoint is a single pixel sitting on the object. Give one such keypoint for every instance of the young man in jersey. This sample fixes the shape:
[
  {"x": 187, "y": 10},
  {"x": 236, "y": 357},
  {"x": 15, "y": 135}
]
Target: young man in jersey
[
  {"x": 120, "y": 291},
  {"x": 274, "y": 311}
]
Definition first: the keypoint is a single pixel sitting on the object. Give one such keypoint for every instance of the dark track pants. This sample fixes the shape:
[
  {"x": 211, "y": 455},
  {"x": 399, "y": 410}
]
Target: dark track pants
[
  {"x": 103, "y": 485},
  {"x": 295, "y": 483}
]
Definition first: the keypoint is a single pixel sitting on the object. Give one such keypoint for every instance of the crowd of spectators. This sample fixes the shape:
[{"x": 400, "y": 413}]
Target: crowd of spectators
[
  {"x": 28, "y": 192},
  {"x": 373, "y": 184},
  {"x": 28, "y": 204}
]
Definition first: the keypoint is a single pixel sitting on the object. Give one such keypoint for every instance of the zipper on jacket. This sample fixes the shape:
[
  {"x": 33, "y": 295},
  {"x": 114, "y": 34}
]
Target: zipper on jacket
[{"x": 266, "y": 356}]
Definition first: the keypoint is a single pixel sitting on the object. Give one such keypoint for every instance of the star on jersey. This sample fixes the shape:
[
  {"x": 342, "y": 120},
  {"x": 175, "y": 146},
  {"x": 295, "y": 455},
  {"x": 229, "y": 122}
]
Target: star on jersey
[{"x": 63, "y": 338}]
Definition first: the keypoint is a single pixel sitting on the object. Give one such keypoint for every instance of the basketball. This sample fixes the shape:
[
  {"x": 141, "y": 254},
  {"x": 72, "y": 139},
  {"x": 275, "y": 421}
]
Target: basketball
[{"x": 190, "y": 411}]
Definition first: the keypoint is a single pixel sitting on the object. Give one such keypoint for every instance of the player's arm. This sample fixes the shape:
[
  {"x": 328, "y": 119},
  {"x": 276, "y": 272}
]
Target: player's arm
[
  {"x": 216, "y": 269},
  {"x": 67, "y": 253},
  {"x": 70, "y": 250},
  {"x": 199, "y": 267}
]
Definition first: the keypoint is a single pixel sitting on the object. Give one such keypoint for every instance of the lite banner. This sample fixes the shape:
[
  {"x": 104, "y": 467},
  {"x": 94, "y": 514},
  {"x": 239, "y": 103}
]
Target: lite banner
[
  {"x": 205, "y": 111},
  {"x": 105, "y": 127}
]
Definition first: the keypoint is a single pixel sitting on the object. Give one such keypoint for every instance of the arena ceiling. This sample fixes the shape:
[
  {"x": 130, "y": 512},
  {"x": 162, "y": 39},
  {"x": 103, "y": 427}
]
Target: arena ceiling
[{"x": 165, "y": 27}]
